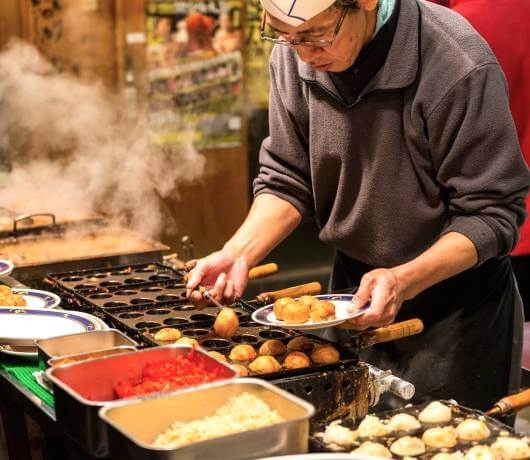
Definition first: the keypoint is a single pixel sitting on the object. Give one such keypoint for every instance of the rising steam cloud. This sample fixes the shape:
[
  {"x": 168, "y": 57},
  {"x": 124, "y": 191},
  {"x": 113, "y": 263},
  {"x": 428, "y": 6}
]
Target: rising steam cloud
[{"x": 71, "y": 154}]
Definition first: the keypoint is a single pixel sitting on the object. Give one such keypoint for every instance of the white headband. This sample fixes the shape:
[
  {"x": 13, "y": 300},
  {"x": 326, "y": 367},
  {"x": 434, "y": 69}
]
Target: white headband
[{"x": 295, "y": 12}]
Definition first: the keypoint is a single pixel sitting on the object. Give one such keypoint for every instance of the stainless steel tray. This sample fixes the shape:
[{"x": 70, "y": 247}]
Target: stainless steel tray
[
  {"x": 131, "y": 436},
  {"x": 69, "y": 359},
  {"x": 73, "y": 344},
  {"x": 81, "y": 389}
]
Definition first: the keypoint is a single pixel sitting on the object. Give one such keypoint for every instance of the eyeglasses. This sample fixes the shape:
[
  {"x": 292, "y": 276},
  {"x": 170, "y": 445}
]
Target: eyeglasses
[{"x": 275, "y": 37}]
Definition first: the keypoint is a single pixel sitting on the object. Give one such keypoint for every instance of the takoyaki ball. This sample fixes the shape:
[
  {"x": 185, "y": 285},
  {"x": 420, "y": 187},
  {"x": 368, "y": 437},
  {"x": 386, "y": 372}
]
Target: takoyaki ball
[
  {"x": 278, "y": 305},
  {"x": 217, "y": 355},
  {"x": 325, "y": 354},
  {"x": 372, "y": 449},
  {"x": 408, "y": 446},
  {"x": 372, "y": 427},
  {"x": 296, "y": 360},
  {"x": 243, "y": 352},
  {"x": 167, "y": 334},
  {"x": 308, "y": 300},
  {"x": 188, "y": 341},
  {"x": 339, "y": 435},
  {"x": 444, "y": 436},
  {"x": 295, "y": 312},
  {"x": 272, "y": 347},
  {"x": 264, "y": 365},
  {"x": 512, "y": 448},
  {"x": 481, "y": 453},
  {"x": 403, "y": 422},
  {"x": 448, "y": 456},
  {"x": 300, "y": 343},
  {"x": 323, "y": 310},
  {"x": 435, "y": 412},
  {"x": 226, "y": 323},
  {"x": 472, "y": 429},
  {"x": 240, "y": 369}
]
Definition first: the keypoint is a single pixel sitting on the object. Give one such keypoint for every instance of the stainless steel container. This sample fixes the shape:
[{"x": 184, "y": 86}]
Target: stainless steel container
[
  {"x": 134, "y": 424},
  {"x": 73, "y": 344},
  {"x": 81, "y": 389},
  {"x": 69, "y": 359}
]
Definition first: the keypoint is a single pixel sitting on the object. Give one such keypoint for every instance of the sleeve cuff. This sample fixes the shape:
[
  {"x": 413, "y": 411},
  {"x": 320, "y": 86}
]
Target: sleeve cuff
[{"x": 480, "y": 233}]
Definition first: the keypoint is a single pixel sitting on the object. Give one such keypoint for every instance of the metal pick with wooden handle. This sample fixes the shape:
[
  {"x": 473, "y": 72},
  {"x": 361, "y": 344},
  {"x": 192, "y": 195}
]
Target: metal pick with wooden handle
[
  {"x": 313, "y": 288},
  {"x": 510, "y": 404},
  {"x": 259, "y": 271},
  {"x": 388, "y": 333}
]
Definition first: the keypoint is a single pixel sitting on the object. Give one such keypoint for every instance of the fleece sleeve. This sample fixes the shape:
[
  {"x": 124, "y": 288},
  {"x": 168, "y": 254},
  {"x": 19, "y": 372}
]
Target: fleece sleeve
[
  {"x": 479, "y": 164},
  {"x": 284, "y": 168}
]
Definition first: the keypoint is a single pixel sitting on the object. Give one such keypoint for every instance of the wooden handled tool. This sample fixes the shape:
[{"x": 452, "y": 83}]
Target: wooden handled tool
[
  {"x": 313, "y": 288},
  {"x": 393, "y": 331},
  {"x": 259, "y": 271},
  {"x": 510, "y": 404}
]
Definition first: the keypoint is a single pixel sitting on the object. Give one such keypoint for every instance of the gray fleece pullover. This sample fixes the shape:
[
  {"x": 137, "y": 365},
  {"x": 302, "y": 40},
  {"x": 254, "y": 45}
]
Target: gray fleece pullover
[{"x": 429, "y": 147}]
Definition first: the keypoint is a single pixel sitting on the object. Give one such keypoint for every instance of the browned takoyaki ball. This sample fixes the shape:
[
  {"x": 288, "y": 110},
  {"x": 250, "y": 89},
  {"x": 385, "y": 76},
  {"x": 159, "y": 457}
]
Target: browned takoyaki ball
[
  {"x": 217, "y": 355},
  {"x": 241, "y": 370},
  {"x": 323, "y": 310},
  {"x": 300, "y": 343},
  {"x": 296, "y": 360},
  {"x": 167, "y": 334},
  {"x": 188, "y": 341},
  {"x": 226, "y": 323},
  {"x": 277, "y": 307},
  {"x": 308, "y": 300},
  {"x": 272, "y": 347},
  {"x": 325, "y": 354},
  {"x": 243, "y": 352},
  {"x": 295, "y": 312},
  {"x": 264, "y": 365}
]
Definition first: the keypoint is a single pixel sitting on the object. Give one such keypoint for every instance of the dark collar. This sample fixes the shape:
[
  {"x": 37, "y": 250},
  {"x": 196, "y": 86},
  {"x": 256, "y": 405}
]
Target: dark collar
[{"x": 401, "y": 65}]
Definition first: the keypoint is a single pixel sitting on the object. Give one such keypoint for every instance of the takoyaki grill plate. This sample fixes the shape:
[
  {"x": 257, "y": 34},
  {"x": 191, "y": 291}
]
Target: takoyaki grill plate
[
  {"x": 122, "y": 276},
  {"x": 459, "y": 414},
  {"x": 139, "y": 322},
  {"x": 145, "y": 295}
]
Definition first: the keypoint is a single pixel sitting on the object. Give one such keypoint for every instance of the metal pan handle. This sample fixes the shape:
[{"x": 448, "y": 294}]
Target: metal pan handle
[
  {"x": 313, "y": 288},
  {"x": 510, "y": 404},
  {"x": 261, "y": 271},
  {"x": 29, "y": 217},
  {"x": 388, "y": 333}
]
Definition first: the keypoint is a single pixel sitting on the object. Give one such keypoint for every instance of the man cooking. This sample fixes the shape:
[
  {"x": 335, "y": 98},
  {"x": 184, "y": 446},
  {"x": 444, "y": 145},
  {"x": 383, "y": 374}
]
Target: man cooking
[{"x": 390, "y": 126}]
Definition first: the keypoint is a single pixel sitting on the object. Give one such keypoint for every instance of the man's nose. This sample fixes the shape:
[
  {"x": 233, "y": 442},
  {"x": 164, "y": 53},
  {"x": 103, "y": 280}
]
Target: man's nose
[{"x": 308, "y": 53}]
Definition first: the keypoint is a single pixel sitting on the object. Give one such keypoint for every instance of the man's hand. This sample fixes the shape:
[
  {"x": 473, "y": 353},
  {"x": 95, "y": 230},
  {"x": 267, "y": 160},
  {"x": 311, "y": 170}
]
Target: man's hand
[
  {"x": 222, "y": 273},
  {"x": 381, "y": 288}
]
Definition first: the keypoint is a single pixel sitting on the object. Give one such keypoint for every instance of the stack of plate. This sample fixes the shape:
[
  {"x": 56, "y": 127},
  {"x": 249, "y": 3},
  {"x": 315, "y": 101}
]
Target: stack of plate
[
  {"x": 20, "y": 327},
  {"x": 6, "y": 267}
]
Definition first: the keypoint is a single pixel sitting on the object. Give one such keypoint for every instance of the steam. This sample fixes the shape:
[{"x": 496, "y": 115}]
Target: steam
[{"x": 72, "y": 154}]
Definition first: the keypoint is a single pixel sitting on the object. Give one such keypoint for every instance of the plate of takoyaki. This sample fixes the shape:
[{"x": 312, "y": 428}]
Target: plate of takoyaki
[
  {"x": 308, "y": 312},
  {"x": 27, "y": 298}
]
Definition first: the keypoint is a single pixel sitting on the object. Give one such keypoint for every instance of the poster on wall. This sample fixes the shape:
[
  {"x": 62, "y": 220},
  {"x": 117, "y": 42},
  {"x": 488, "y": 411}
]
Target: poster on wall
[{"x": 195, "y": 72}]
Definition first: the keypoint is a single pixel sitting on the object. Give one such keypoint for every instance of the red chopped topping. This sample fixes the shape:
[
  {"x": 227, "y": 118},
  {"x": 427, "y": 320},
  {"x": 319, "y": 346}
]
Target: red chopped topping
[{"x": 179, "y": 372}]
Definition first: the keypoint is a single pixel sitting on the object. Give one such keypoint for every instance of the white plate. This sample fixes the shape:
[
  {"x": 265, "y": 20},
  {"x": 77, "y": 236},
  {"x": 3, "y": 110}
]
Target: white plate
[
  {"x": 36, "y": 299},
  {"x": 6, "y": 267},
  {"x": 265, "y": 315},
  {"x": 20, "y": 327},
  {"x": 323, "y": 456}
]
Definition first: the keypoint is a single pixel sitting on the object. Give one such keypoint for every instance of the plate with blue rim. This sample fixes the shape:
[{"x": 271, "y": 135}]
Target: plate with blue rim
[
  {"x": 265, "y": 315},
  {"x": 20, "y": 327},
  {"x": 6, "y": 267},
  {"x": 36, "y": 299}
]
